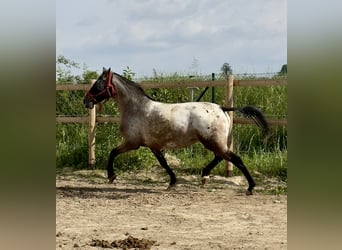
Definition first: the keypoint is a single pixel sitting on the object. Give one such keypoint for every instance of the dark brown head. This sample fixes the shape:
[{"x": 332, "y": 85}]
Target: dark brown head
[{"x": 102, "y": 89}]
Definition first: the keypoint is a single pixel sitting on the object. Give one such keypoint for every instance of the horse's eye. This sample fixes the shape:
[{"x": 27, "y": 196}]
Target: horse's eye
[{"x": 99, "y": 87}]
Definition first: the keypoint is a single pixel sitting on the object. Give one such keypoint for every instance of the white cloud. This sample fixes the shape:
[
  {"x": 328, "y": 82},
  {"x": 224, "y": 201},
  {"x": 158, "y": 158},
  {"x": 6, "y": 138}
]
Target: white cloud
[{"x": 168, "y": 34}]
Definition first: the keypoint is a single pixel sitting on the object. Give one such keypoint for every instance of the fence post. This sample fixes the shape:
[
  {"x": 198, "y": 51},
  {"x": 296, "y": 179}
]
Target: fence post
[
  {"x": 229, "y": 104},
  {"x": 213, "y": 88},
  {"x": 91, "y": 135}
]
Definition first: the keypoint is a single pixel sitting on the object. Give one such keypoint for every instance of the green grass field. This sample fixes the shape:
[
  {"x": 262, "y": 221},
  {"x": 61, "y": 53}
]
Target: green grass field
[{"x": 268, "y": 159}]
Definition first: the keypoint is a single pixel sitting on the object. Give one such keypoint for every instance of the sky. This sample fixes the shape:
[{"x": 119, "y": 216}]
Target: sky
[{"x": 168, "y": 36}]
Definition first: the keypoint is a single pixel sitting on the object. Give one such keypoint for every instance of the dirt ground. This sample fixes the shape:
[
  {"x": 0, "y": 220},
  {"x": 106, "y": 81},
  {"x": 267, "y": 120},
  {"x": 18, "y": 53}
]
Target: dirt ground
[{"x": 138, "y": 206}]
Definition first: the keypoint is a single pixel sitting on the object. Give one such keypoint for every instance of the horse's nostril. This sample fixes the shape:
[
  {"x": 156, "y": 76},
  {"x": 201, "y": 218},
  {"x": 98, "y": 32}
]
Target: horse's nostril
[{"x": 88, "y": 104}]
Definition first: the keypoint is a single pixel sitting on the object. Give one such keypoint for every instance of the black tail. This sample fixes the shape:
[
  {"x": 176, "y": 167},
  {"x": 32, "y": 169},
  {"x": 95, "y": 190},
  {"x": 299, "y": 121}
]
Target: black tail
[{"x": 253, "y": 113}]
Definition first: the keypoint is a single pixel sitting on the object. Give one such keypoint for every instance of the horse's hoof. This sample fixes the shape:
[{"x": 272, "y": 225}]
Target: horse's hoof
[
  {"x": 249, "y": 192},
  {"x": 204, "y": 180},
  {"x": 111, "y": 179},
  {"x": 171, "y": 187}
]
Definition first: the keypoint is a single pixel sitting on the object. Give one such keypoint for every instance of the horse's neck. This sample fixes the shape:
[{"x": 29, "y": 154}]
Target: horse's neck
[
  {"x": 130, "y": 100},
  {"x": 131, "y": 104}
]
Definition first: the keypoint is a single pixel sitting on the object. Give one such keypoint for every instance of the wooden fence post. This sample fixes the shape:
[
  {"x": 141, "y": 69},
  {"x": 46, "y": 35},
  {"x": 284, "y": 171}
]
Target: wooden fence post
[
  {"x": 91, "y": 134},
  {"x": 229, "y": 104}
]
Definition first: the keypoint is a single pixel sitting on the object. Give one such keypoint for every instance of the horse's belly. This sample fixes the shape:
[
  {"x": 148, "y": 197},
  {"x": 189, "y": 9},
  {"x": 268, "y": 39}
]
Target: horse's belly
[
  {"x": 180, "y": 143},
  {"x": 170, "y": 139}
]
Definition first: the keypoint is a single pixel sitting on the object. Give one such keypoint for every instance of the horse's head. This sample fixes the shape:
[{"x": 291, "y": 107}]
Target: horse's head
[{"x": 101, "y": 90}]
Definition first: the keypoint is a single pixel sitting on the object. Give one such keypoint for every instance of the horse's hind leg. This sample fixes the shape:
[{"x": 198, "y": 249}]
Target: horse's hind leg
[
  {"x": 209, "y": 167},
  {"x": 125, "y": 147},
  {"x": 161, "y": 159},
  {"x": 236, "y": 160}
]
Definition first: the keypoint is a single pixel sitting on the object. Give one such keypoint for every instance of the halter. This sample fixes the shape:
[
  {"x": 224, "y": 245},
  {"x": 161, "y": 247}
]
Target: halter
[{"x": 110, "y": 89}]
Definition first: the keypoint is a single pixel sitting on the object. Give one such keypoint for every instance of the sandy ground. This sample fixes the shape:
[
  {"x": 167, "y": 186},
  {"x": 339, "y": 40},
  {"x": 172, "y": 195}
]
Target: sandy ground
[{"x": 217, "y": 216}]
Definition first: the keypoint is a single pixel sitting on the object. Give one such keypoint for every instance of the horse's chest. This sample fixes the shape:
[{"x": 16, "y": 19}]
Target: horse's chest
[{"x": 130, "y": 128}]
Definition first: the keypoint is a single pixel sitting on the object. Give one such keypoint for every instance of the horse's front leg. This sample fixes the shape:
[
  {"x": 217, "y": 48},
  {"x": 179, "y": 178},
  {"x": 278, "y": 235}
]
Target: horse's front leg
[
  {"x": 160, "y": 157},
  {"x": 206, "y": 171},
  {"x": 124, "y": 147}
]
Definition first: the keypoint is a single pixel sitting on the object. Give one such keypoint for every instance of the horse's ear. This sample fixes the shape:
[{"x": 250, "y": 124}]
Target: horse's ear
[
  {"x": 103, "y": 69},
  {"x": 108, "y": 70}
]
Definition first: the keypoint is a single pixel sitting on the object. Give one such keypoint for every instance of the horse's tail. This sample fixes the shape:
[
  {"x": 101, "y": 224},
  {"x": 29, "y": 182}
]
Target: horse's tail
[{"x": 255, "y": 114}]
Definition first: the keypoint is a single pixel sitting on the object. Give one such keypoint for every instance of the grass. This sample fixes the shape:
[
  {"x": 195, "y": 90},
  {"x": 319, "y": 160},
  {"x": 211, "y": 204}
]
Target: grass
[
  {"x": 269, "y": 159},
  {"x": 269, "y": 164}
]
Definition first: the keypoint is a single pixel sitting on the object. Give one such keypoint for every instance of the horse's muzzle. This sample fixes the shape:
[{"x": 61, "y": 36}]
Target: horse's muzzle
[{"x": 89, "y": 104}]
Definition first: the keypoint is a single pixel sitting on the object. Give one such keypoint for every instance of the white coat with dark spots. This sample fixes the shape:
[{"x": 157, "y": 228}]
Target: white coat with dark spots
[{"x": 158, "y": 126}]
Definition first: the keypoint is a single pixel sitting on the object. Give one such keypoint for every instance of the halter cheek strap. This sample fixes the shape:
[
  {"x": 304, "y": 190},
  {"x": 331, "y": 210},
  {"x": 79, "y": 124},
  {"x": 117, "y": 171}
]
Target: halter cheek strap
[{"x": 110, "y": 87}]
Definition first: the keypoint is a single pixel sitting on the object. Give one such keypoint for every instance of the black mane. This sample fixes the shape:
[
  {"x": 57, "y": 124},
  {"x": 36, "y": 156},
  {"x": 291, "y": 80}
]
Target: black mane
[{"x": 133, "y": 84}]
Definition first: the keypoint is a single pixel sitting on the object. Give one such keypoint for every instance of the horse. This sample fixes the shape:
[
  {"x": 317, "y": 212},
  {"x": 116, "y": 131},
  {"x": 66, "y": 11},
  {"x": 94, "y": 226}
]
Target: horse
[{"x": 158, "y": 126}]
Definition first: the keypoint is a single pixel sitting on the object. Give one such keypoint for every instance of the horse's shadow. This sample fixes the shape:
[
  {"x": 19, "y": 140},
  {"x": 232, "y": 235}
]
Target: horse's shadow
[
  {"x": 113, "y": 193},
  {"x": 130, "y": 187},
  {"x": 126, "y": 189}
]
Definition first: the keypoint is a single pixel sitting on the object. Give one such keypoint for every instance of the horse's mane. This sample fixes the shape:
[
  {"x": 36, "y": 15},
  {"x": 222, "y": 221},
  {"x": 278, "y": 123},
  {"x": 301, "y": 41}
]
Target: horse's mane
[{"x": 133, "y": 85}]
